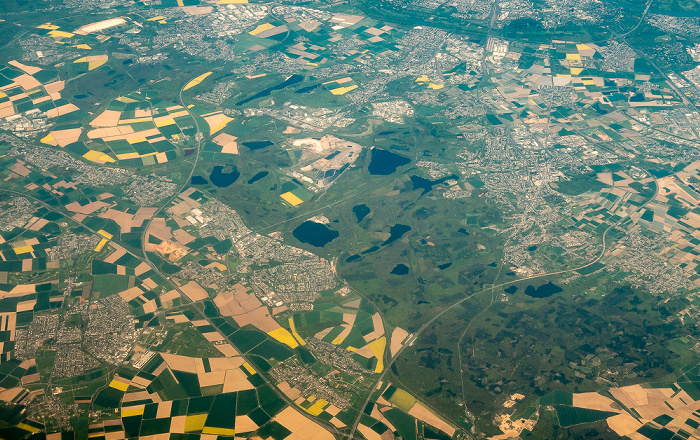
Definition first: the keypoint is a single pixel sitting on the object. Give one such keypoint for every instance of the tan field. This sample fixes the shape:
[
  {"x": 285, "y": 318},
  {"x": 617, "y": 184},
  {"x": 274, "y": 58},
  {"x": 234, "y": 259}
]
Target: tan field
[
  {"x": 354, "y": 304},
  {"x": 164, "y": 409},
  {"x": 290, "y": 392},
  {"x": 227, "y": 350},
  {"x": 65, "y": 137},
  {"x": 633, "y": 395},
  {"x": 217, "y": 122},
  {"x": 141, "y": 269},
  {"x": 20, "y": 169},
  {"x": 26, "y": 265},
  {"x": 116, "y": 435},
  {"x": 62, "y": 110},
  {"x": 10, "y": 393},
  {"x": 365, "y": 352},
  {"x": 245, "y": 424},
  {"x": 8, "y": 323},
  {"x": 25, "y": 306},
  {"x": 87, "y": 209},
  {"x": 167, "y": 298},
  {"x": 301, "y": 427},
  {"x": 236, "y": 380},
  {"x": 149, "y": 283},
  {"x": 135, "y": 397},
  {"x": 194, "y": 291},
  {"x": 108, "y": 118},
  {"x": 36, "y": 223},
  {"x": 623, "y": 424},
  {"x": 368, "y": 432},
  {"x": 23, "y": 67},
  {"x": 159, "y": 229},
  {"x": 177, "y": 424},
  {"x": 27, "y": 82},
  {"x": 150, "y": 306},
  {"x": 213, "y": 336},
  {"x": 117, "y": 254},
  {"x": 349, "y": 321},
  {"x": 110, "y": 133},
  {"x": 181, "y": 363},
  {"x": 322, "y": 334},
  {"x": 378, "y": 325},
  {"x": 422, "y": 413},
  {"x": 183, "y": 237},
  {"x": 130, "y": 294},
  {"x": 127, "y": 221},
  {"x": 227, "y": 142},
  {"x": 19, "y": 290},
  {"x": 259, "y": 318},
  {"x": 245, "y": 308},
  {"x": 212, "y": 378},
  {"x": 594, "y": 401}
]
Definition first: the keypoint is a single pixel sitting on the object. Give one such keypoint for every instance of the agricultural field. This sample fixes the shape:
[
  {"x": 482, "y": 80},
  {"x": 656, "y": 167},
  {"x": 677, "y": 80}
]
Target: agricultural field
[{"x": 388, "y": 220}]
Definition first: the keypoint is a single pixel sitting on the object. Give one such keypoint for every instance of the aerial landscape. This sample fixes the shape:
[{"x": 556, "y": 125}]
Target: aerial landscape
[{"x": 337, "y": 220}]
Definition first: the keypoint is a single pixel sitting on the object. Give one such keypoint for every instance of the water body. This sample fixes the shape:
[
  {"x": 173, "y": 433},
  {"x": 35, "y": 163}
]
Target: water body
[
  {"x": 444, "y": 266},
  {"x": 315, "y": 234},
  {"x": 294, "y": 79},
  {"x": 385, "y": 162},
  {"x": 426, "y": 185},
  {"x": 400, "y": 269},
  {"x": 397, "y": 231},
  {"x": 307, "y": 89},
  {"x": 511, "y": 289},
  {"x": 198, "y": 180},
  {"x": 258, "y": 176},
  {"x": 361, "y": 211},
  {"x": 370, "y": 250},
  {"x": 352, "y": 258},
  {"x": 544, "y": 291},
  {"x": 221, "y": 179},
  {"x": 257, "y": 145}
]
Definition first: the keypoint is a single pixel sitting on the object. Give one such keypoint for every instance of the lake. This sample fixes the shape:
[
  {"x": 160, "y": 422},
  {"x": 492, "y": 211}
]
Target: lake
[
  {"x": 294, "y": 79},
  {"x": 400, "y": 269},
  {"x": 361, "y": 211},
  {"x": 315, "y": 234},
  {"x": 221, "y": 179},
  {"x": 426, "y": 185},
  {"x": 384, "y": 162},
  {"x": 198, "y": 180},
  {"x": 307, "y": 89},
  {"x": 397, "y": 231},
  {"x": 543, "y": 291},
  {"x": 257, "y": 145},
  {"x": 258, "y": 176}
]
